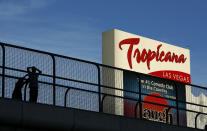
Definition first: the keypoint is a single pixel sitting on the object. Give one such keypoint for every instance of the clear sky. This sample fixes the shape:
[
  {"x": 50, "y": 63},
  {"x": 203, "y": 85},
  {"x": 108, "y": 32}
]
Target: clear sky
[{"x": 74, "y": 27}]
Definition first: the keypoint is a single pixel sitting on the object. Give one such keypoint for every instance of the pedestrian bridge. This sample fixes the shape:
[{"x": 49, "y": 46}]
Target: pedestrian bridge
[
  {"x": 75, "y": 94},
  {"x": 25, "y": 116}
]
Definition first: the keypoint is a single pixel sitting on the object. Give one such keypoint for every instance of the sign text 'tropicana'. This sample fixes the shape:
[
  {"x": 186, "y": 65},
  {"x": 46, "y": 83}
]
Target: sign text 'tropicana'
[{"x": 148, "y": 56}]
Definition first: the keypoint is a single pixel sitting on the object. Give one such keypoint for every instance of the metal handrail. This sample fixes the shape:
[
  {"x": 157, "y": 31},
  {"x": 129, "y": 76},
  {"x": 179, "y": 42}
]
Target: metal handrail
[
  {"x": 65, "y": 97},
  {"x": 135, "y": 110},
  {"x": 98, "y": 84},
  {"x": 93, "y": 63},
  {"x": 103, "y": 86},
  {"x": 119, "y": 90},
  {"x": 105, "y": 95},
  {"x": 196, "y": 118}
]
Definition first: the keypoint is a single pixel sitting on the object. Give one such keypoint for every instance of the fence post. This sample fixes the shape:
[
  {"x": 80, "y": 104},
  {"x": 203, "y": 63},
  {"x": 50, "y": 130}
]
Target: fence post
[
  {"x": 140, "y": 98},
  {"x": 65, "y": 98},
  {"x": 176, "y": 89},
  {"x": 135, "y": 109},
  {"x": 3, "y": 70},
  {"x": 54, "y": 79},
  {"x": 99, "y": 88},
  {"x": 101, "y": 104},
  {"x": 196, "y": 119},
  {"x": 167, "y": 114}
]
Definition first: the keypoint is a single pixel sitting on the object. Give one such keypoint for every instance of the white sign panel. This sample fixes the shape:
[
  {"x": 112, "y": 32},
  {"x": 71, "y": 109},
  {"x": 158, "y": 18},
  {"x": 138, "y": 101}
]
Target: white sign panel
[{"x": 141, "y": 54}]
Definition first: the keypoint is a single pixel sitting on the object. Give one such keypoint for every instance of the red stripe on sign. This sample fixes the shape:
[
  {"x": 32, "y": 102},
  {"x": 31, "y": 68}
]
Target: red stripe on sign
[{"x": 173, "y": 75}]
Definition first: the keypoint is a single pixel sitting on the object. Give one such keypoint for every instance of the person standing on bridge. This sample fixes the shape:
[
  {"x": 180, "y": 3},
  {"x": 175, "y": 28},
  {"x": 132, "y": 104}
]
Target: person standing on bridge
[{"x": 33, "y": 74}]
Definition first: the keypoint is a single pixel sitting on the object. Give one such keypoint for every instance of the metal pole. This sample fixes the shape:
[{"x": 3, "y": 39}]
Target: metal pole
[
  {"x": 177, "y": 108},
  {"x": 54, "y": 79},
  {"x": 101, "y": 109},
  {"x": 65, "y": 101},
  {"x": 3, "y": 70},
  {"x": 196, "y": 119},
  {"x": 99, "y": 88},
  {"x": 140, "y": 97},
  {"x": 135, "y": 110}
]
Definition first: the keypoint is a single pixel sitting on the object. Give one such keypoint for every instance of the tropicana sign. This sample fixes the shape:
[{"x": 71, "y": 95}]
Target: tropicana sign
[
  {"x": 140, "y": 54},
  {"x": 147, "y": 56}
]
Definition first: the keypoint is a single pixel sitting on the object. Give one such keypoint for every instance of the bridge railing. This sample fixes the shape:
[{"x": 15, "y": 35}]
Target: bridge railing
[{"x": 81, "y": 84}]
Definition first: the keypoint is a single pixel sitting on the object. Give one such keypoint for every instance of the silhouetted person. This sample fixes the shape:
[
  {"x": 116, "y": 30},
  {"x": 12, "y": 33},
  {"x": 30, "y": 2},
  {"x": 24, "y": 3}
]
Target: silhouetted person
[
  {"x": 205, "y": 128},
  {"x": 33, "y": 74},
  {"x": 17, "y": 93}
]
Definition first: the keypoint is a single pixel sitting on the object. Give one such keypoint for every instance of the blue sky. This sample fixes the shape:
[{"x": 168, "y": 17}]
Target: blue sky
[{"x": 74, "y": 27}]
